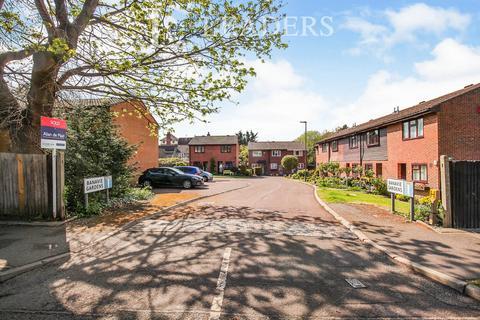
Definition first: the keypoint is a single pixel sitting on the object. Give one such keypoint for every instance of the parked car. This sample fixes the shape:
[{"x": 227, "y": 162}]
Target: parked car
[
  {"x": 172, "y": 177},
  {"x": 207, "y": 176}
]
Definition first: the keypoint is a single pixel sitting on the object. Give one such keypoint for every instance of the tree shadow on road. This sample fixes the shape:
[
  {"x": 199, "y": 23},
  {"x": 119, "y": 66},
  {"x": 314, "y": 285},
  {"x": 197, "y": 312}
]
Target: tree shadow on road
[{"x": 164, "y": 273}]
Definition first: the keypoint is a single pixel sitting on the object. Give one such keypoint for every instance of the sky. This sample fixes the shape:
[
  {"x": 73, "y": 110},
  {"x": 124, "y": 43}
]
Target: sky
[{"x": 359, "y": 61}]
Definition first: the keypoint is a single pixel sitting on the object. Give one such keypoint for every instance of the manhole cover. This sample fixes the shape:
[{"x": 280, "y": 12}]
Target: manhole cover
[{"x": 355, "y": 283}]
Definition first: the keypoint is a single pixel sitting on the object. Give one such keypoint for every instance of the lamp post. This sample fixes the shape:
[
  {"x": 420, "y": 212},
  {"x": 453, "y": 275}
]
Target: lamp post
[{"x": 306, "y": 149}]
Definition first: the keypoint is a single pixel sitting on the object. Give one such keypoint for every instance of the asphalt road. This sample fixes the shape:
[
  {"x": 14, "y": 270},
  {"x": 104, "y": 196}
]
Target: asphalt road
[{"x": 266, "y": 251}]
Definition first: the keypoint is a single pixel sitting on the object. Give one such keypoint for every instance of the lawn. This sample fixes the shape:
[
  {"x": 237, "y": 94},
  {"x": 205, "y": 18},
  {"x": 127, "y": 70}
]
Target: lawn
[{"x": 348, "y": 196}]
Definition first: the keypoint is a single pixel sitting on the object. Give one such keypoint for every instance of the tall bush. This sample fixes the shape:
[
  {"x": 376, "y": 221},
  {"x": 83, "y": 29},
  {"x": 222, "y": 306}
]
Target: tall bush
[
  {"x": 94, "y": 148},
  {"x": 289, "y": 163}
]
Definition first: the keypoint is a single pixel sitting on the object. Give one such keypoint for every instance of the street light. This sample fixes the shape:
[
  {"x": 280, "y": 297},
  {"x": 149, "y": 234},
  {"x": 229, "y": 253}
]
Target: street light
[{"x": 306, "y": 149}]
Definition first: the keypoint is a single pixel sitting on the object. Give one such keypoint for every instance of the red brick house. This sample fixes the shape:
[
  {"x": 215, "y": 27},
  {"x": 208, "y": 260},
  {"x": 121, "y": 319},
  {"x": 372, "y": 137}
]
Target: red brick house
[
  {"x": 135, "y": 124},
  {"x": 223, "y": 150},
  {"x": 268, "y": 155},
  {"x": 407, "y": 144}
]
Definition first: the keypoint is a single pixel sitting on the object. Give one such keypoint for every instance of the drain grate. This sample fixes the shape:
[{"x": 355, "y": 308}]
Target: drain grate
[{"x": 355, "y": 283}]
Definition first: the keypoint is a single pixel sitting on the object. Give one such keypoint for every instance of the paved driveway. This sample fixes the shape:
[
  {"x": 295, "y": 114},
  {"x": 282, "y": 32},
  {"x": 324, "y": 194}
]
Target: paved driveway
[{"x": 266, "y": 251}]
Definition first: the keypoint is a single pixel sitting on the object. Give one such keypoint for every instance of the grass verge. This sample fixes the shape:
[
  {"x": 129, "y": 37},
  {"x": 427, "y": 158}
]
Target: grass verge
[{"x": 347, "y": 196}]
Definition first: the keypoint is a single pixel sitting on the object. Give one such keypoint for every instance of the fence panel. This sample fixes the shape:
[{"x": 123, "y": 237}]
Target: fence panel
[
  {"x": 465, "y": 189},
  {"x": 23, "y": 185}
]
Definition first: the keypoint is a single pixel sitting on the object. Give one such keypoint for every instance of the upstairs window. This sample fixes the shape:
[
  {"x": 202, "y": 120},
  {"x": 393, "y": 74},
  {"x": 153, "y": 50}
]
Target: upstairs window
[
  {"x": 413, "y": 129},
  {"x": 324, "y": 147},
  {"x": 419, "y": 172},
  {"x": 199, "y": 149},
  {"x": 226, "y": 149},
  {"x": 276, "y": 153},
  {"x": 353, "y": 142},
  {"x": 373, "y": 138},
  {"x": 334, "y": 146},
  {"x": 256, "y": 154},
  {"x": 298, "y": 153}
]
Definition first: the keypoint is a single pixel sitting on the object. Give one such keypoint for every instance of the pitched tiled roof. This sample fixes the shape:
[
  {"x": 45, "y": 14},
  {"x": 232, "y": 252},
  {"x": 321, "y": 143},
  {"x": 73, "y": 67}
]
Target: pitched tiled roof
[
  {"x": 421, "y": 108},
  {"x": 213, "y": 140},
  {"x": 104, "y": 102},
  {"x": 276, "y": 145},
  {"x": 107, "y": 102},
  {"x": 184, "y": 141}
]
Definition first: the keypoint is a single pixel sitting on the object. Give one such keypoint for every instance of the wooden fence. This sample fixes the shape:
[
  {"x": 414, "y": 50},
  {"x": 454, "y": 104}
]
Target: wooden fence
[{"x": 26, "y": 186}]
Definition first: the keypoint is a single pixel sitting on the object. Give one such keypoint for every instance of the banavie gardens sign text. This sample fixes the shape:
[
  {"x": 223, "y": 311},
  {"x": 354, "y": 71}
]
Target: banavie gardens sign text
[
  {"x": 402, "y": 187},
  {"x": 97, "y": 184}
]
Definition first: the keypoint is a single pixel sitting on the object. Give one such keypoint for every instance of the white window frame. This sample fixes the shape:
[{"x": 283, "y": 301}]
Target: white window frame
[
  {"x": 257, "y": 154},
  {"x": 301, "y": 165},
  {"x": 273, "y": 166},
  {"x": 298, "y": 153},
  {"x": 199, "y": 149},
  {"x": 276, "y": 153}
]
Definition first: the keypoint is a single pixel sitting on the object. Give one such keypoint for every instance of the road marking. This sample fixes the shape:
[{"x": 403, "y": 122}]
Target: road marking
[{"x": 217, "y": 302}]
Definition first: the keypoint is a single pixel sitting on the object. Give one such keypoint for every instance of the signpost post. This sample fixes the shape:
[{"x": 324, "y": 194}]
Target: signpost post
[
  {"x": 405, "y": 188},
  {"x": 97, "y": 184},
  {"x": 53, "y": 136}
]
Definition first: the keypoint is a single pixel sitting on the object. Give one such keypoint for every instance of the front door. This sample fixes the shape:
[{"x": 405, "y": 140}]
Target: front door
[{"x": 402, "y": 171}]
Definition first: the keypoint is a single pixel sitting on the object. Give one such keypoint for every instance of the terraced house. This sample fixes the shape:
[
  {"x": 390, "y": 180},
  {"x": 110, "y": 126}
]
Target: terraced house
[
  {"x": 222, "y": 150},
  {"x": 268, "y": 155},
  {"x": 407, "y": 144}
]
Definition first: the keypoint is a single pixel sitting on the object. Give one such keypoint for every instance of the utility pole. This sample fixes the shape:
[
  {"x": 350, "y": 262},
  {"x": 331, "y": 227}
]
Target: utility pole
[{"x": 306, "y": 149}]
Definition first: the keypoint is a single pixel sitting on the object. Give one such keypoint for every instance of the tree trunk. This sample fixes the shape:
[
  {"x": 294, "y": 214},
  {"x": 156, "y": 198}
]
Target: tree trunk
[{"x": 41, "y": 97}]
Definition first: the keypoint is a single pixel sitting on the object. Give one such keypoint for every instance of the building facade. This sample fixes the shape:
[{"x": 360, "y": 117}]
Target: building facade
[
  {"x": 221, "y": 151},
  {"x": 173, "y": 147},
  {"x": 268, "y": 155},
  {"x": 408, "y": 143},
  {"x": 139, "y": 128}
]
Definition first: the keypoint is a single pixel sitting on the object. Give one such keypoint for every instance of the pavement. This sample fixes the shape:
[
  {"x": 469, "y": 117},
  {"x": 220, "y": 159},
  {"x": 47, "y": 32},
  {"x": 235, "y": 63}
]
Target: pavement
[
  {"x": 265, "y": 251},
  {"x": 450, "y": 251},
  {"x": 23, "y": 244}
]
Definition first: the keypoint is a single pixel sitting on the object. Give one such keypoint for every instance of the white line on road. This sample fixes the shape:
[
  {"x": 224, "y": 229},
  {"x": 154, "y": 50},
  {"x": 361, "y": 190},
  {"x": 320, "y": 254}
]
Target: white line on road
[{"x": 217, "y": 302}]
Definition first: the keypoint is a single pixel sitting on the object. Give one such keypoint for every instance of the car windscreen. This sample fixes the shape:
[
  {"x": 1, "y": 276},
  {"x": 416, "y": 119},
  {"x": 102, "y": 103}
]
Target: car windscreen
[{"x": 176, "y": 170}]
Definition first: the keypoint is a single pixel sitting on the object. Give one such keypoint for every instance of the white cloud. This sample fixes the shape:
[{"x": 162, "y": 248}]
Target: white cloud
[
  {"x": 453, "y": 66},
  {"x": 273, "y": 104},
  {"x": 405, "y": 25},
  {"x": 421, "y": 17}
]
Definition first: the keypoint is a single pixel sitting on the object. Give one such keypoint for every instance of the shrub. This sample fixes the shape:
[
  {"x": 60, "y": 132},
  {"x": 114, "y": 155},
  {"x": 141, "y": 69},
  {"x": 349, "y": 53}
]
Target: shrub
[
  {"x": 289, "y": 162},
  {"x": 171, "y": 162},
  {"x": 94, "y": 149},
  {"x": 379, "y": 186},
  {"x": 258, "y": 171},
  {"x": 212, "y": 165},
  {"x": 402, "y": 198}
]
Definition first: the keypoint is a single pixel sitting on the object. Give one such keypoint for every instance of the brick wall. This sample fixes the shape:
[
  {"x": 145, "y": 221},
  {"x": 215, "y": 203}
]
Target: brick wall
[
  {"x": 320, "y": 156},
  {"x": 266, "y": 159},
  {"x": 417, "y": 151},
  {"x": 214, "y": 151},
  {"x": 134, "y": 126},
  {"x": 459, "y": 123}
]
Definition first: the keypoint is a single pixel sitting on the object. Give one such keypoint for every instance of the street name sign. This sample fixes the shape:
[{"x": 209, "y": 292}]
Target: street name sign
[
  {"x": 97, "y": 184},
  {"x": 53, "y": 133},
  {"x": 402, "y": 187}
]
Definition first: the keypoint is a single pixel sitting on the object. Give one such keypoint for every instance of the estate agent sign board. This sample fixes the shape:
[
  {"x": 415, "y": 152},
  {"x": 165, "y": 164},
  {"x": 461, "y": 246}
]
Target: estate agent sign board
[{"x": 53, "y": 133}]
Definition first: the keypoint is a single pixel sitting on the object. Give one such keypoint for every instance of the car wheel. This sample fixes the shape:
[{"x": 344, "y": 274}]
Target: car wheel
[
  {"x": 205, "y": 179},
  {"x": 147, "y": 183},
  {"x": 187, "y": 184}
]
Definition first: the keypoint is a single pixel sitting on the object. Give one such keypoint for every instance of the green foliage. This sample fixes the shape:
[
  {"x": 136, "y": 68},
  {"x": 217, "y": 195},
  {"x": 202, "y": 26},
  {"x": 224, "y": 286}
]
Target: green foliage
[
  {"x": 313, "y": 137},
  {"x": 171, "y": 162},
  {"x": 180, "y": 57},
  {"x": 213, "y": 165},
  {"x": 289, "y": 163},
  {"x": 94, "y": 149},
  {"x": 243, "y": 156},
  {"x": 245, "y": 138}
]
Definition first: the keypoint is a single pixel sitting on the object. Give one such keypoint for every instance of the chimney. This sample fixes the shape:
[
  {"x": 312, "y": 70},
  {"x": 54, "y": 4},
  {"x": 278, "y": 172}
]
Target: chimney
[{"x": 208, "y": 134}]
